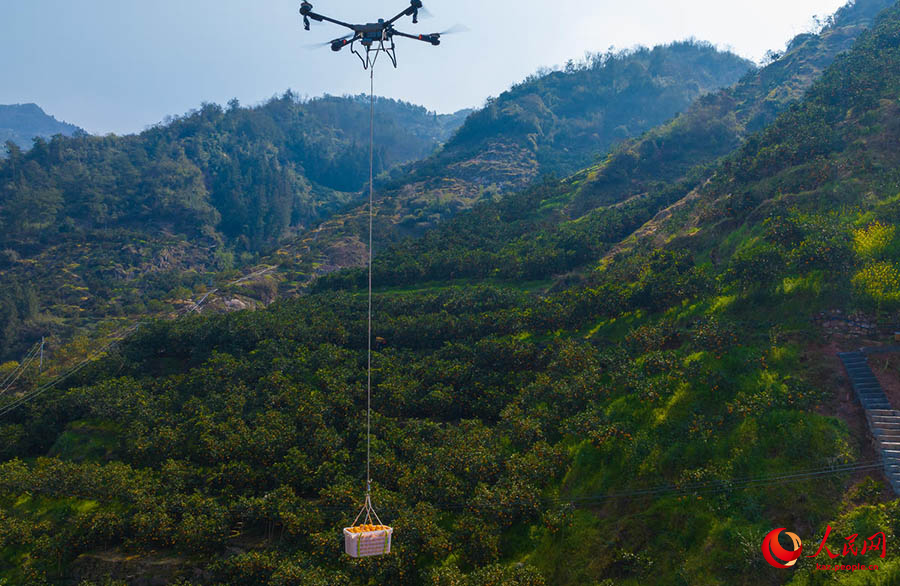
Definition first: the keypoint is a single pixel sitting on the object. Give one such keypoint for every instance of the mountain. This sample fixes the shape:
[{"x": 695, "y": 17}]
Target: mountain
[
  {"x": 99, "y": 228},
  {"x": 21, "y": 123},
  {"x": 646, "y": 418},
  {"x": 104, "y": 228},
  {"x": 555, "y": 227},
  {"x": 551, "y": 123}
]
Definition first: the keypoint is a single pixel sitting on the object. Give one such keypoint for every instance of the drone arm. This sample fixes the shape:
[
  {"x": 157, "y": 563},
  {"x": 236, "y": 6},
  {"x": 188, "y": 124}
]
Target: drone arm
[
  {"x": 406, "y": 12},
  {"x": 413, "y": 11},
  {"x": 434, "y": 38},
  {"x": 320, "y": 18},
  {"x": 306, "y": 11}
]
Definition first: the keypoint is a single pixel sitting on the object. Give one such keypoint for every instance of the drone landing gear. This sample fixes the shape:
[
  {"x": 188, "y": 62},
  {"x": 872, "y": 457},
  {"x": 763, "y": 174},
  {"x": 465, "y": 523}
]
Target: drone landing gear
[{"x": 372, "y": 49}]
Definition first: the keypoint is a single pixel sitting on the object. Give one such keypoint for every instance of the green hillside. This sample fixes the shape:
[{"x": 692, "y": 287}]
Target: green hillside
[
  {"x": 99, "y": 231},
  {"x": 645, "y": 418},
  {"x": 552, "y": 123},
  {"x": 644, "y": 173},
  {"x": 104, "y": 228},
  {"x": 558, "y": 227}
]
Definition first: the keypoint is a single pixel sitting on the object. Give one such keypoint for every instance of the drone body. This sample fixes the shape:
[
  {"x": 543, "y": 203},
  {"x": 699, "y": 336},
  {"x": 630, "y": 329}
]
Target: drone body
[{"x": 375, "y": 37}]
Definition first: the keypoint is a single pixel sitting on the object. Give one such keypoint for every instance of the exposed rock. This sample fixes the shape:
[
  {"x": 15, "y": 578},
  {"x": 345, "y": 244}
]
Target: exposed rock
[{"x": 235, "y": 305}]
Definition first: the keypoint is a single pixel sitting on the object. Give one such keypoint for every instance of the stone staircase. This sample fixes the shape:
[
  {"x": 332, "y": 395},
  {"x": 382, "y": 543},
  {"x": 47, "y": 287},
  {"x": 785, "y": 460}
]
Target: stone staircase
[{"x": 884, "y": 421}]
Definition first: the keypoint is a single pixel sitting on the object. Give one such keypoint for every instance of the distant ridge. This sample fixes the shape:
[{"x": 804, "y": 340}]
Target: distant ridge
[{"x": 21, "y": 123}]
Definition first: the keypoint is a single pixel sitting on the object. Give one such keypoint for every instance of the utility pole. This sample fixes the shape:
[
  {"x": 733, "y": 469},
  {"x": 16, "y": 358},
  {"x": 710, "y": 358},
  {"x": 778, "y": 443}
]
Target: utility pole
[{"x": 41, "y": 367}]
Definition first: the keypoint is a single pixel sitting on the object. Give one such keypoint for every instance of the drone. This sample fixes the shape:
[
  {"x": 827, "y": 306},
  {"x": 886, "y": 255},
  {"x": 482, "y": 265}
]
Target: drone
[{"x": 375, "y": 37}]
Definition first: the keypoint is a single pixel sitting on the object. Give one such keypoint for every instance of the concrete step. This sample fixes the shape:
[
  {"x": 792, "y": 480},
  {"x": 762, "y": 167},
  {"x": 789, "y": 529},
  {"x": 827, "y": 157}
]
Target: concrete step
[
  {"x": 884, "y": 433},
  {"x": 885, "y": 425},
  {"x": 885, "y": 412}
]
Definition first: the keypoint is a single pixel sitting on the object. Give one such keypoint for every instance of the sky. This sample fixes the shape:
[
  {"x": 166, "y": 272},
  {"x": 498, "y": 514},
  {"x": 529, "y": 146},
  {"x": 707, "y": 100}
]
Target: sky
[{"x": 122, "y": 65}]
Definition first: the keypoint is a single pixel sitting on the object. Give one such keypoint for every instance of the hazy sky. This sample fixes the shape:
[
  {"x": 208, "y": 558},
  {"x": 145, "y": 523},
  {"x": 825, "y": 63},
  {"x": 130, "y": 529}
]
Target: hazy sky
[{"x": 121, "y": 65}]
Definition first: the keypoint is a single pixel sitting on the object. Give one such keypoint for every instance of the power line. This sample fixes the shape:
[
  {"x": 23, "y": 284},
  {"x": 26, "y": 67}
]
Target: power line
[
  {"x": 19, "y": 370},
  {"x": 116, "y": 339},
  {"x": 707, "y": 488}
]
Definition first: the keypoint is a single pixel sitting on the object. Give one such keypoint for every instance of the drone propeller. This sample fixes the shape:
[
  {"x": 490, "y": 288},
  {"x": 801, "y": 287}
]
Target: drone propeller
[
  {"x": 435, "y": 38},
  {"x": 453, "y": 30},
  {"x": 419, "y": 10}
]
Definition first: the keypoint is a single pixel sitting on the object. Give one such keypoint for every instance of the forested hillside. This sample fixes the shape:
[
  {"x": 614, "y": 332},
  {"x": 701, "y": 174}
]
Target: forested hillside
[
  {"x": 647, "y": 171},
  {"x": 103, "y": 227},
  {"x": 99, "y": 229},
  {"x": 21, "y": 123},
  {"x": 644, "y": 419},
  {"x": 551, "y": 123},
  {"x": 557, "y": 227}
]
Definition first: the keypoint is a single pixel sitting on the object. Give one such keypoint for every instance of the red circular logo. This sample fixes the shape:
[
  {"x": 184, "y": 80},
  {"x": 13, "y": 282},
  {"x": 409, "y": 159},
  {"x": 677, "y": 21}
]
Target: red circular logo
[{"x": 776, "y": 555}]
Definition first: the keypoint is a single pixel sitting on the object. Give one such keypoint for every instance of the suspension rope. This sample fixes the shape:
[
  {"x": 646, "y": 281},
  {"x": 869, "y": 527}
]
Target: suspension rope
[{"x": 369, "y": 338}]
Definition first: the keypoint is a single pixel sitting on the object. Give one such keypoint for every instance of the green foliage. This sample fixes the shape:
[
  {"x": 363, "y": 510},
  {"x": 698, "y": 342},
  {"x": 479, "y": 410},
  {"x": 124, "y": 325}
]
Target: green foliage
[
  {"x": 872, "y": 241},
  {"x": 582, "y": 110},
  {"x": 108, "y": 227},
  {"x": 879, "y": 281},
  {"x": 250, "y": 174}
]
